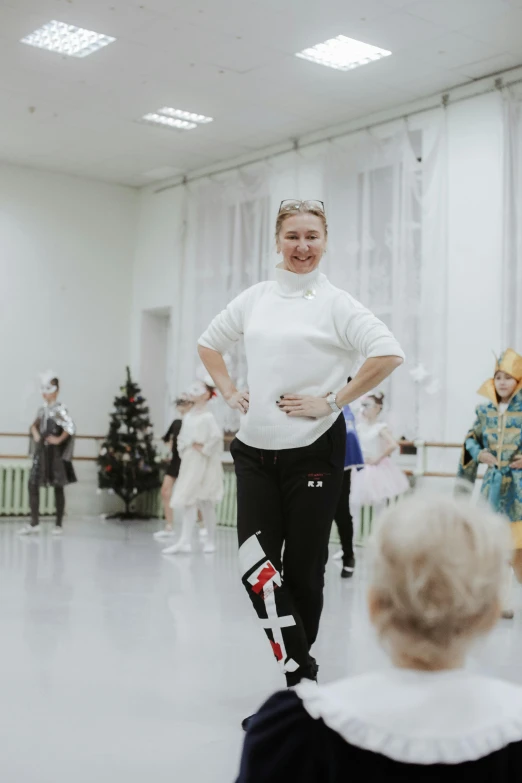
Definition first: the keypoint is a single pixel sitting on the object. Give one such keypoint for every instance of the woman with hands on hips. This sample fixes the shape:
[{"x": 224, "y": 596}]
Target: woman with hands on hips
[{"x": 302, "y": 337}]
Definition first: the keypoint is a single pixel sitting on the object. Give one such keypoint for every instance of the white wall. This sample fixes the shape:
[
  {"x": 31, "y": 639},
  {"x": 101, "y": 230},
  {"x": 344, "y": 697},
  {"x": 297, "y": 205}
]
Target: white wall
[
  {"x": 155, "y": 349},
  {"x": 66, "y": 251},
  {"x": 66, "y": 258},
  {"x": 157, "y": 271}
]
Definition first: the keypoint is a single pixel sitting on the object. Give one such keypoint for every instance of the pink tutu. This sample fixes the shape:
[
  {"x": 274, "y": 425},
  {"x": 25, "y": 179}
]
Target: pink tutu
[{"x": 375, "y": 484}]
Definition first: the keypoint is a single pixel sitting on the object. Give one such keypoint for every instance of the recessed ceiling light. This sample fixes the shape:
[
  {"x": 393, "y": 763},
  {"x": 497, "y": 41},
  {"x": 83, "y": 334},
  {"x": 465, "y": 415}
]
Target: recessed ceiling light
[
  {"x": 343, "y": 53},
  {"x": 169, "y": 122},
  {"x": 176, "y": 118},
  {"x": 67, "y": 39},
  {"x": 185, "y": 115}
]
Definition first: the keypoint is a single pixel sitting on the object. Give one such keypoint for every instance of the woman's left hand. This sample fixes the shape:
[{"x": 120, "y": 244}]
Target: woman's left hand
[
  {"x": 198, "y": 447},
  {"x": 516, "y": 464},
  {"x": 304, "y": 406}
]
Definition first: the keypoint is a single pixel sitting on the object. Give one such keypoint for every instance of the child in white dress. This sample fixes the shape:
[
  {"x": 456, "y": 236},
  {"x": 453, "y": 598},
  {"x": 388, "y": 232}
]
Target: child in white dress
[
  {"x": 380, "y": 480},
  {"x": 200, "y": 480}
]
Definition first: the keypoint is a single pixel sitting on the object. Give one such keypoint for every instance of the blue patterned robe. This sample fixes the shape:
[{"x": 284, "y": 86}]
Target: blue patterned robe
[{"x": 501, "y": 434}]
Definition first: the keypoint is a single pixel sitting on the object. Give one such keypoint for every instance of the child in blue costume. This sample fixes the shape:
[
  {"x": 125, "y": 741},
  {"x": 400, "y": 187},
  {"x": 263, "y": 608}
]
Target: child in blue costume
[
  {"x": 495, "y": 439},
  {"x": 343, "y": 517}
]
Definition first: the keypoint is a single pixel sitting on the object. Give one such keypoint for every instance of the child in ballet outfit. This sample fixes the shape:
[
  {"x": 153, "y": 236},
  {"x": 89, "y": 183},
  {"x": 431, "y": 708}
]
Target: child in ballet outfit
[
  {"x": 200, "y": 480},
  {"x": 380, "y": 480},
  {"x": 171, "y": 474},
  {"x": 52, "y": 447}
]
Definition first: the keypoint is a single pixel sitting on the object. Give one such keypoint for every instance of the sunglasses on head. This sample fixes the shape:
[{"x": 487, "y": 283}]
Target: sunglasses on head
[{"x": 290, "y": 204}]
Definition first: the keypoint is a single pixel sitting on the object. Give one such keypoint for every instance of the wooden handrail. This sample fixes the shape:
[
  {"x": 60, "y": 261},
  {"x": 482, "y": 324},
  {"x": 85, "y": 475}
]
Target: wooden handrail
[
  {"x": 408, "y": 472},
  {"x": 27, "y": 457},
  {"x": 27, "y": 435},
  {"x": 229, "y": 436},
  {"x": 431, "y": 444}
]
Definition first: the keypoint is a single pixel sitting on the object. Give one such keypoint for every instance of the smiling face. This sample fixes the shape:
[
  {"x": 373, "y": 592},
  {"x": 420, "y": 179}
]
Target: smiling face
[
  {"x": 505, "y": 385},
  {"x": 302, "y": 242}
]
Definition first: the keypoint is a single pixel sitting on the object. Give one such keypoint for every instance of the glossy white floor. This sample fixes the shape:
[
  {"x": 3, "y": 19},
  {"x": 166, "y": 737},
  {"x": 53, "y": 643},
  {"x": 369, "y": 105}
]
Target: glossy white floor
[{"x": 118, "y": 664}]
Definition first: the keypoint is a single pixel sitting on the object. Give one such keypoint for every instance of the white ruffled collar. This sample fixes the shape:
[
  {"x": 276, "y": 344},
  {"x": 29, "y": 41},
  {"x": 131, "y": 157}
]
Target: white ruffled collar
[{"x": 420, "y": 717}]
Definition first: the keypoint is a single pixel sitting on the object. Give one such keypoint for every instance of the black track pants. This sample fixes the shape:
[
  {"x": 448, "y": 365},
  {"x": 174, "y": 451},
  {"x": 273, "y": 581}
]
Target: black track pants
[{"x": 288, "y": 499}]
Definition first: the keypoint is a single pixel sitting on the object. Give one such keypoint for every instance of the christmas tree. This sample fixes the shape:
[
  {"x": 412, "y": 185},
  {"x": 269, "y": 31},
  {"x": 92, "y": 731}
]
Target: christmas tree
[{"x": 128, "y": 463}]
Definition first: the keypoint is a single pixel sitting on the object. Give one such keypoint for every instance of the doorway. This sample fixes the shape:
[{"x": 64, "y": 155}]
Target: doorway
[{"x": 155, "y": 346}]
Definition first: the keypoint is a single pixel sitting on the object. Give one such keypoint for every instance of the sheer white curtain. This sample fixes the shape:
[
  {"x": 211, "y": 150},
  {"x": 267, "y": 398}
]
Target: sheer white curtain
[
  {"x": 373, "y": 189},
  {"x": 386, "y": 203},
  {"x": 512, "y": 250},
  {"x": 227, "y": 249},
  {"x": 433, "y": 313}
]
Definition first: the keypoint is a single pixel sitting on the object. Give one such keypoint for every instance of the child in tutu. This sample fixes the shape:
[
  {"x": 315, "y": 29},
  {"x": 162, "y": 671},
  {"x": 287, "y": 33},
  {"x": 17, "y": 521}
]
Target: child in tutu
[
  {"x": 200, "y": 480},
  {"x": 380, "y": 480}
]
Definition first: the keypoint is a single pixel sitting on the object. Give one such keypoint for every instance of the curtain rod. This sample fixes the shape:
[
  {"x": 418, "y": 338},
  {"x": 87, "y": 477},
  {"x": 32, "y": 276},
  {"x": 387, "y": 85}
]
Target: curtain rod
[{"x": 444, "y": 101}]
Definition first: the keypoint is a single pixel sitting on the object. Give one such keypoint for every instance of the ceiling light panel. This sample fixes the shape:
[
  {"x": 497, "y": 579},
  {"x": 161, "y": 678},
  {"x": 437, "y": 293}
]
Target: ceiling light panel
[
  {"x": 67, "y": 39},
  {"x": 185, "y": 115},
  {"x": 343, "y": 53},
  {"x": 168, "y": 122},
  {"x": 176, "y": 118}
]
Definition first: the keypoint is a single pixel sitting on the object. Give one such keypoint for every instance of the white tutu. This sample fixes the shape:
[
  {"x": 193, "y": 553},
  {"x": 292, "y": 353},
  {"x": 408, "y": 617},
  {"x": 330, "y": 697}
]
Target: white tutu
[
  {"x": 201, "y": 472},
  {"x": 200, "y": 478},
  {"x": 375, "y": 484}
]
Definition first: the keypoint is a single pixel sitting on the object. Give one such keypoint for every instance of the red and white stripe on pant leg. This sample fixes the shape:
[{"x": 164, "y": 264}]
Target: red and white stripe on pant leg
[{"x": 265, "y": 579}]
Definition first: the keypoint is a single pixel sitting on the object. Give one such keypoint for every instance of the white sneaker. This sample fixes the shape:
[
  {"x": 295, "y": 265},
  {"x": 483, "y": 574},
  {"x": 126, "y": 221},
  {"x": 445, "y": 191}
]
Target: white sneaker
[
  {"x": 209, "y": 548},
  {"x": 338, "y": 555},
  {"x": 57, "y": 531},
  {"x": 28, "y": 530},
  {"x": 177, "y": 549},
  {"x": 159, "y": 534}
]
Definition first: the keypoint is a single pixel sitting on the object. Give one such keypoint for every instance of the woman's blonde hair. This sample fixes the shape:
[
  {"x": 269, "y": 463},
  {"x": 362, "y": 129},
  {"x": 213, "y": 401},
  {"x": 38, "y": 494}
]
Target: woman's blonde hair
[{"x": 438, "y": 567}]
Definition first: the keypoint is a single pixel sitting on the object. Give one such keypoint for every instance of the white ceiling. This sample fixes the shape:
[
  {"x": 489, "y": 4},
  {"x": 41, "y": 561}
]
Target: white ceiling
[{"x": 232, "y": 60}]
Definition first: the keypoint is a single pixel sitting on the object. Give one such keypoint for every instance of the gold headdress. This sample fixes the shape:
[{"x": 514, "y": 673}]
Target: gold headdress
[{"x": 509, "y": 362}]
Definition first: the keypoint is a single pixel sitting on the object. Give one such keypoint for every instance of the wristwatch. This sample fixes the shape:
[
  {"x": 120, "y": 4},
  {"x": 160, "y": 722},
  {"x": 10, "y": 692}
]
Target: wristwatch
[{"x": 332, "y": 403}]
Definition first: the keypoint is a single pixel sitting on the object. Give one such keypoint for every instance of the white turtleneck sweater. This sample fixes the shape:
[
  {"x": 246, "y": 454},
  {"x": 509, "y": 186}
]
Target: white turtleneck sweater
[{"x": 302, "y": 336}]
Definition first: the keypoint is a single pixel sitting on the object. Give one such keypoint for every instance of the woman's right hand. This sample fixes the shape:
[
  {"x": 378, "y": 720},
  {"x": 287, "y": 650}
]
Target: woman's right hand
[
  {"x": 488, "y": 459},
  {"x": 239, "y": 401},
  {"x": 37, "y": 437}
]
